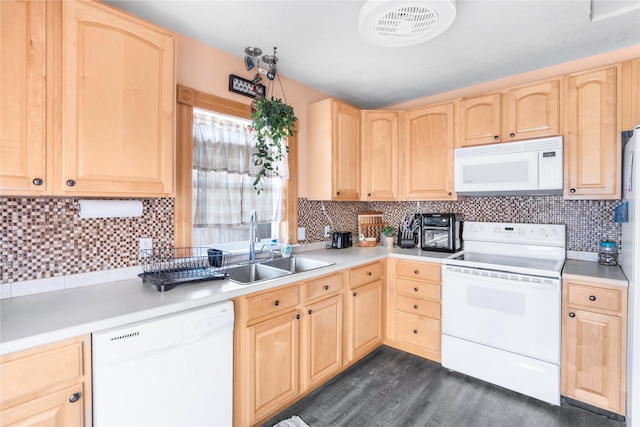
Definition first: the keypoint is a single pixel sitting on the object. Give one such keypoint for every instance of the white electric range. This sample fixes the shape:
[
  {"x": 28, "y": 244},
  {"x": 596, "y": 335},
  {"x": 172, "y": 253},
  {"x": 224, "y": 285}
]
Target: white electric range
[{"x": 501, "y": 306}]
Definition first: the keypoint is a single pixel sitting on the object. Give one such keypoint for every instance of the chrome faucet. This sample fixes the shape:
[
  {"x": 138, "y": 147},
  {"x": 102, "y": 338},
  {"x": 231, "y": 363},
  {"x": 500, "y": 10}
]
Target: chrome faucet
[{"x": 254, "y": 236}]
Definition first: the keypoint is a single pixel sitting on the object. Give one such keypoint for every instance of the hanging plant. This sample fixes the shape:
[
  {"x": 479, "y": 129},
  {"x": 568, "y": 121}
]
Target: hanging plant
[{"x": 272, "y": 124}]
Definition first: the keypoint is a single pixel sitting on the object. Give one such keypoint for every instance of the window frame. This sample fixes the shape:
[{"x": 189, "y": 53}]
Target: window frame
[{"x": 187, "y": 100}]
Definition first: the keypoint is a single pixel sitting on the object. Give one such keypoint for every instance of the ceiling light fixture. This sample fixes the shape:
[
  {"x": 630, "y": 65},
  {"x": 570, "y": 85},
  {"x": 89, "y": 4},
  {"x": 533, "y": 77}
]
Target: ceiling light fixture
[
  {"x": 397, "y": 23},
  {"x": 251, "y": 54},
  {"x": 252, "y": 59}
]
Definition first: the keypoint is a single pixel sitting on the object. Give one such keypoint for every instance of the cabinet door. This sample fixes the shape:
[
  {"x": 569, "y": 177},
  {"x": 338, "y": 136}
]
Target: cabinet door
[
  {"x": 428, "y": 153},
  {"x": 23, "y": 101},
  {"x": 60, "y": 408},
  {"x": 380, "y": 134},
  {"x": 591, "y": 360},
  {"x": 479, "y": 120},
  {"x": 366, "y": 318},
  {"x": 592, "y": 149},
  {"x": 630, "y": 94},
  {"x": 322, "y": 346},
  {"x": 272, "y": 364},
  {"x": 346, "y": 152},
  {"x": 532, "y": 111},
  {"x": 118, "y": 101}
]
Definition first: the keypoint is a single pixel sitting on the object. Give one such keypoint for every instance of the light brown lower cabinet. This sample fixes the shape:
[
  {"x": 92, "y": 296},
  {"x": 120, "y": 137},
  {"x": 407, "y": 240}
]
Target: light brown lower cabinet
[
  {"x": 365, "y": 309},
  {"x": 593, "y": 365},
  {"x": 414, "y": 311},
  {"x": 48, "y": 385},
  {"x": 287, "y": 342}
]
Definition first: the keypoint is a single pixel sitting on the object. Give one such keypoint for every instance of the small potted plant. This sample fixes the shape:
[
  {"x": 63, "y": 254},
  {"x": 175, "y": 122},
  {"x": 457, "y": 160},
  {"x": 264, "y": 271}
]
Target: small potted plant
[
  {"x": 272, "y": 123},
  {"x": 387, "y": 235}
]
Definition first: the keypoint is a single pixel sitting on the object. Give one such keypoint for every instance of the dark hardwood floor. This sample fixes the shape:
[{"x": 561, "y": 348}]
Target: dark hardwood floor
[{"x": 393, "y": 388}]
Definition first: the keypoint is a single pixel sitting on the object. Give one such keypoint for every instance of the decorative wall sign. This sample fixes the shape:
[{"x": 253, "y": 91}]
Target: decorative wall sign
[{"x": 245, "y": 87}]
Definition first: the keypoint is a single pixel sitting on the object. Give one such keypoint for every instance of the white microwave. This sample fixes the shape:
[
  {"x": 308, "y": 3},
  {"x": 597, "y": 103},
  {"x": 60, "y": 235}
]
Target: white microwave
[{"x": 514, "y": 168}]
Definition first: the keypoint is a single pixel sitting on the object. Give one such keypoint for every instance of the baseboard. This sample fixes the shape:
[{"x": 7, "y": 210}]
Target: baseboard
[{"x": 591, "y": 408}]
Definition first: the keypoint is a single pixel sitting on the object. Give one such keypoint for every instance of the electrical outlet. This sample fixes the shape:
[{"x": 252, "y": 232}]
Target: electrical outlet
[
  {"x": 327, "y": 231},
  {"x": 302, "y": 233},
  {"x": 146, "y": 245}
]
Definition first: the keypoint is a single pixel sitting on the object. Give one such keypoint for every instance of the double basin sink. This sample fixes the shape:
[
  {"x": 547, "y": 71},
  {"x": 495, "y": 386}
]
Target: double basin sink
[{"x": 250, "y": 273}]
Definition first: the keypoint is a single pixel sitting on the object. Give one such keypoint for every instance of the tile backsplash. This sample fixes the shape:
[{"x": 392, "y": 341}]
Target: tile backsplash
[
  {"x": 587, "y": 221},
  {"x": 45, "y": 237}
]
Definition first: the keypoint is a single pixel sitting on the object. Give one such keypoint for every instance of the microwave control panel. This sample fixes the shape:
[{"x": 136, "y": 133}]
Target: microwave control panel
[{"x": 550, "y": 174}]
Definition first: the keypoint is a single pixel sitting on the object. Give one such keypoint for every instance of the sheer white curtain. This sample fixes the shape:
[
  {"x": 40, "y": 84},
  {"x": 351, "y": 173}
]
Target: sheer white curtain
[{"x": 223, "y": 175}]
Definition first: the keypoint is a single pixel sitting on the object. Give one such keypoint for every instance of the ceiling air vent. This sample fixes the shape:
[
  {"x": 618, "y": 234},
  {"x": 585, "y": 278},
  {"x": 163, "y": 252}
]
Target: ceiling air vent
[{"x": 405, "y": 23}]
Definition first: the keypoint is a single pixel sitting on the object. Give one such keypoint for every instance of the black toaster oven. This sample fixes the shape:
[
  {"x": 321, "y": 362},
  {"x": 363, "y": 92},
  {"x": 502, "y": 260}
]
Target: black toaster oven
[{"x": 441, "y": 232}]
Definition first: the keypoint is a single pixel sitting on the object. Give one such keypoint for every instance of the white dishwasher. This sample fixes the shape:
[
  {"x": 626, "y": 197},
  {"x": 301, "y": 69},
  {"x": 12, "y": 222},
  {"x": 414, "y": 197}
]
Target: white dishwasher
[{"x": 175, "y": 370}]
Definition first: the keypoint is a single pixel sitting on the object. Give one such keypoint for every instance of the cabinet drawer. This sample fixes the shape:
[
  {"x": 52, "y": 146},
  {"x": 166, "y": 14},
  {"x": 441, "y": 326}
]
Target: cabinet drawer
[
  {"x": 324, "y": 286},
  {"x": 38, "y": 371},
  {"x": 418, "y": 330},
  {"x": 367, "y": 273},
  {"x": 419, "y": 270},
  {"x": 278, "y": 301},
  {"x": 594, "y": 297},
  {"x": 418, "y": 289},
  {"x": 419, "y": 307}
]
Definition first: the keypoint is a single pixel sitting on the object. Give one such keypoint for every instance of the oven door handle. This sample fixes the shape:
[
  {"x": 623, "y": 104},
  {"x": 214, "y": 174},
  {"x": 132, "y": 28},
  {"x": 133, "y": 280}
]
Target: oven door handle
[{"x": 499, "y": 277}]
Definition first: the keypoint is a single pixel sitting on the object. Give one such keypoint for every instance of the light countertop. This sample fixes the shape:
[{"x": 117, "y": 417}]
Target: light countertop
[
  {"x": 39, "y": 319},
  {"x": 584, "y": 270}
]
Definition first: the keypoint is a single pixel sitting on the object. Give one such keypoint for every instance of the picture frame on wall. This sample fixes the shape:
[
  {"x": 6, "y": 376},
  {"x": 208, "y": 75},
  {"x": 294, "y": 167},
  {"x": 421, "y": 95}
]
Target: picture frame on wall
[{"x": 245, "y": 87}]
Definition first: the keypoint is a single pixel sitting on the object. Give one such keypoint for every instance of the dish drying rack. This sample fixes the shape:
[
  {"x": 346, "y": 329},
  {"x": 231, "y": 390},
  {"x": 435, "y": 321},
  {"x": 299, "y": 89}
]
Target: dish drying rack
[
  {"x": 369, "y": 225},
  {"x": 167, "y": 267}
]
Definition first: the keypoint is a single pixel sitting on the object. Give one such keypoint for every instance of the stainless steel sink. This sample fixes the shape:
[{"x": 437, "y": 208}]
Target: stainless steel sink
[
  {"x": 297, "y": 264},
  {"x": 251, "y": 273}
]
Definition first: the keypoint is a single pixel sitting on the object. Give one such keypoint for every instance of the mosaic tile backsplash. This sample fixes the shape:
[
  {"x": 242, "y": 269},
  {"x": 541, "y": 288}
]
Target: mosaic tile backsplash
[
  {"x": 45, "y": 237},
  {"x": 587, "y": 221}
]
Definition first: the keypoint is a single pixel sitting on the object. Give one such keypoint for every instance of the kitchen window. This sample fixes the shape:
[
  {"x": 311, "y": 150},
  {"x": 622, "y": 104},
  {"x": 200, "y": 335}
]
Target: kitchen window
[
  {"x": 223, "y": 175},
  {"x": 190, "y": 102}
]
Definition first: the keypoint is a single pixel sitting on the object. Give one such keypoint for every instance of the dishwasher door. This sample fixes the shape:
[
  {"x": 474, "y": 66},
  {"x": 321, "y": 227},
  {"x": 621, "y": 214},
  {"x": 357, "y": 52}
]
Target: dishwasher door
[{"x": 175, "y": 370}]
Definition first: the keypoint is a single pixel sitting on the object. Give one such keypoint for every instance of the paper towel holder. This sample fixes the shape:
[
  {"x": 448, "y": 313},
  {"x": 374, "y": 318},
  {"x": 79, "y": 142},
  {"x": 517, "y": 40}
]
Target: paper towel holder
[{"x": 108, "y": 208}]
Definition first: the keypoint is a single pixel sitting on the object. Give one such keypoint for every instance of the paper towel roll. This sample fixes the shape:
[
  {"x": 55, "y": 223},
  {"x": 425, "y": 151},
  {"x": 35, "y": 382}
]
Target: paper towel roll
[{"x": 109, "y": 208}]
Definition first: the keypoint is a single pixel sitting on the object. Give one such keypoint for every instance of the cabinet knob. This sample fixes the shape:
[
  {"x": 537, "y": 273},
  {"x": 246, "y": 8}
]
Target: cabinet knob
[
  {"x": 415, "y": 289},
  {"x": 354, "y": 294},
  {"x": 415, "y": 306},
  {"x": 512, "y": 134},
  {"x": 309, "y": 311},
  {"x": 326, "y": 287},
  {"x": 416, "y": 271},
  {"x": 37, "y": 181},
  {"x": 337, "y": 193},
  {"x": 368, "y": 194},
  {"x": 450, "y": 194},
  {"x": 297, "y": 316},
  {"x": 276, "y": 303},
  {"x": 74, "y": 397},
  {"x": 71, "y": 183},
  {"x": 592, "y": 298},
  {"x": 368, "y": 273},
  {"x": 572, "y": 314},
  {"x": 496, "y": 137},
  {"x": 415, "y": 331},
  {"x": 573, "y": 190}
]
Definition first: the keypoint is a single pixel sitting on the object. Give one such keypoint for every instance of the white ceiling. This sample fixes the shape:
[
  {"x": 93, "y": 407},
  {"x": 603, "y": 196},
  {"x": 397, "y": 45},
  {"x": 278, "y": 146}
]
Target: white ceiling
[{"x": 319, "y": 44}]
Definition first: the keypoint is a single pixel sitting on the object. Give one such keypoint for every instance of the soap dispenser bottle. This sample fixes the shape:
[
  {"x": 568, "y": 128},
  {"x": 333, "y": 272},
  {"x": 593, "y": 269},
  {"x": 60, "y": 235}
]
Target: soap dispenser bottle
[{"x": 286, "y": 248}]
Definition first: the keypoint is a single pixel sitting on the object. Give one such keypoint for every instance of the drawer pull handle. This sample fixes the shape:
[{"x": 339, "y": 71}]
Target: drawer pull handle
[
  {"x": 415, "y": 331},
  {"x": 326, "y": 287},
  {"x": 74, "y": 397},
  {"x": 415, "y": 289},
  {"x": 415, "y": 306},
  {"x": 592, "y": 298},
  {"x": 309, "y": 311},
  {"x": 572, "y": 314},
  {"x": 368, "y": 273},
  {"x": 416, "y": 271},
  {"x": 276, "y": 303}
]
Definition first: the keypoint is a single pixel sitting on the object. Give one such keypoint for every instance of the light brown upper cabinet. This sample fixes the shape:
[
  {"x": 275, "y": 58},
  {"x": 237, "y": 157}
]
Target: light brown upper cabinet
[
  {"x": 592, "y": 152},
  {"x": 523, "y": 112},
  {"x": 23, "y": 70},
  {"x": 630, "y": 94},
  {"x": 380, "y": 138},
  {"x": 117, "y": 104},
  {"x": 428, "y": 153},
  {"x": 333, "y": 151}
]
